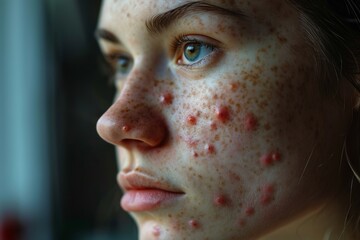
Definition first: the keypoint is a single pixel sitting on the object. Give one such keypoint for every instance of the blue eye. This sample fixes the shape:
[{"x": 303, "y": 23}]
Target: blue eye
[
  {"x": 194, "y": 52},
  {"x": 123, "y": 65}
]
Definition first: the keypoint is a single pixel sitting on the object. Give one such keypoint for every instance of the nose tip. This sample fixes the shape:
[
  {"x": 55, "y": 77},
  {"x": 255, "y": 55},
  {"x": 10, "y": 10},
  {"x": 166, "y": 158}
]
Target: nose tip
[{"x": 121, "y": 126}]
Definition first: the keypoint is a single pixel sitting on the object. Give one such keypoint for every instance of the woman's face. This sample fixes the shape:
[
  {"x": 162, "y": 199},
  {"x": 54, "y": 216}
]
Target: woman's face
[{"x": 219, "y": 122}]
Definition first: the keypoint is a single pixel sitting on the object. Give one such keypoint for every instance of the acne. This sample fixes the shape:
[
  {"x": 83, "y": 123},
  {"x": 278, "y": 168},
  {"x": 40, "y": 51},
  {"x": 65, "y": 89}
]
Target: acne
[
  {"x": 267, "y": 194},
  {"x": 251, "y": 122},
  {"x": 166, "y": 98},
  {"x": 213, "y": 126},
  {"x": 193, "y": 224},
  {"x": 126, "y": 128},
  {"x": 223, "y": 114},
  {"x": 269, "y": 159},
  {"x": 249, "y": 211},
  {"x": 209, "y": 148},
  {"x": 221, "y": 201},
  {"x": 156, "y": 231},
  {"x": 191, "y": 120}
]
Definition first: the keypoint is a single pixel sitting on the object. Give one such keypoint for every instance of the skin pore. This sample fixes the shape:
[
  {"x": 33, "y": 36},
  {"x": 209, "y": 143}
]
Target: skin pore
[{"x": 218, "y": 103}]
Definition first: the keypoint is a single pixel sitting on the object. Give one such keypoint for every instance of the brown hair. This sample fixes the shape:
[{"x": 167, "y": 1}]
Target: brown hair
[{"x": 334, "y": 36}]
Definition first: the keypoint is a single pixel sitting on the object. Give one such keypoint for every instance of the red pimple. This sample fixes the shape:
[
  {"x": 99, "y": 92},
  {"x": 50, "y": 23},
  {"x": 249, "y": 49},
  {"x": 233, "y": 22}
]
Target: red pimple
[
  {"x": 166, "y": 98},
  {"x": 156, "y": 231},
  {"x": 195, "y": 154},
  {"x": 221, "y": 201},
  {"x": 126, "y": 128},
  {"x": 251, "y": 122},
  {"x": 223, "y": 114},
  {"x": 249, "y": 211},
  {"x": 194, "y": 224},
  {"x": 276, "y": 156},
  {"x": 210, "y": 148},
  {"x": 266, "y": 160},
  {"x": 191, "y": 120},
  {"x": 267, "y": 194}
]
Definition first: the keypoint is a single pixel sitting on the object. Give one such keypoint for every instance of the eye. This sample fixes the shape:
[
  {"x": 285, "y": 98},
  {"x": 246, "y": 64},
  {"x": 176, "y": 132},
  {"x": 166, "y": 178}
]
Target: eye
[
  {"x": 121, "y": 64},
  {"x": 193, "y": 50}
]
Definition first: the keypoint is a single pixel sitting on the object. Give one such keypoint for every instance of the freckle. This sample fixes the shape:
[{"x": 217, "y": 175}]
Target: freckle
[
  {"x": 156, "y": 231},
  {"x": 166, "y": 98},
  {"x": 126, "y": 128},
  {"x": 234, "y": 86},
  {"x": 221, "y": 201},
  {"x": 213, "y": 126},
  {"x": 276, "y": 156},
  {"x": 251, "y": 122},
  {"x": 266, "y": 160},
  {"x": 194, "y": 224},
  {"x": 223, "y": 113},
  {"x": 191, "y": 120},
  {"x": 249, "y": 211},
  {"x": 210, "y": 148}
]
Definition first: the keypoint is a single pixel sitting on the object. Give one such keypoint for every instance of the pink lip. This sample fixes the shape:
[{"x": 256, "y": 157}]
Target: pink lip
[{"x": 145, "y": 193}]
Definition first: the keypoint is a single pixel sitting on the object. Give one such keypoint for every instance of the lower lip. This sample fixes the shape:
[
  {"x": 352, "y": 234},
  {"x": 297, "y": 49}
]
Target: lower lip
[{"x": 147, "y": 199}]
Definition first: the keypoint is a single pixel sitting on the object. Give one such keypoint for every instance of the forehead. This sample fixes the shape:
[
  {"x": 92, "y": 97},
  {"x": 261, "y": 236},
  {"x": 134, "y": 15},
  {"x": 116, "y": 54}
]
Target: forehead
[{"x": 139, "y": 11}]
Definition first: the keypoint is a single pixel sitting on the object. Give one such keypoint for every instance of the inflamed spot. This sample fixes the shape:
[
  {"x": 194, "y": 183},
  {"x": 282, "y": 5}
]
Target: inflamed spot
[
  {"x": 156, "y": 231},
  {"x": 209, "y": 148},
  {"x": 269, "y": 159},
  {"x": 166, "y": 98},
  {"x": 249, "y": 211},
  {"x": 223, "y": 114},
  {"x": 267, "y": 194},
  {"x": 194, "y": 224},
  {"x": 191, "y": 120},
  {"x": 251, "y": 122},
  {"x": 221, "y": 201},
  {"x": 126, "y": 128}
]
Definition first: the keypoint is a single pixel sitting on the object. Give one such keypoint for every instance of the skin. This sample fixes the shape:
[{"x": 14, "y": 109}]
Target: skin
[{"x": 246, "y": 133}]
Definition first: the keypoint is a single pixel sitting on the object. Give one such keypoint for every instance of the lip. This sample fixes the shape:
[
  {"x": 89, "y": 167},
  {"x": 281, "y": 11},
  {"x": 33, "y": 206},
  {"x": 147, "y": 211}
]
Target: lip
[{"x": 144, "y": 193}]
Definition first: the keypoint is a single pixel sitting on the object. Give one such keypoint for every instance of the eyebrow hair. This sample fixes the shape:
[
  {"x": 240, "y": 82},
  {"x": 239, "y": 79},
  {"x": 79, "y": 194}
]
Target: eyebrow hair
[
  {"x": 106, "y": 35},
  {"x": 162, "y": 21}
]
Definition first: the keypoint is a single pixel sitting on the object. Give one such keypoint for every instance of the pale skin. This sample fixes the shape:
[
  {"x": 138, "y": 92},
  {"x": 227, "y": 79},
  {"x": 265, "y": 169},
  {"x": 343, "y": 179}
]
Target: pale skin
[{"x": 241, "y": 130}]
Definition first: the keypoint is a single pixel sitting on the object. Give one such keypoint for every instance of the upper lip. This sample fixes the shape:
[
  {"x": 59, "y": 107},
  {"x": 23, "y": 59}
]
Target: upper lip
[{"x": 141, "y": 181}]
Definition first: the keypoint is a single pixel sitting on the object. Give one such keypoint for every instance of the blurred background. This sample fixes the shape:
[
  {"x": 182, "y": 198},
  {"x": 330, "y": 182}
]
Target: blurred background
[{"x": 57, "y": 177}]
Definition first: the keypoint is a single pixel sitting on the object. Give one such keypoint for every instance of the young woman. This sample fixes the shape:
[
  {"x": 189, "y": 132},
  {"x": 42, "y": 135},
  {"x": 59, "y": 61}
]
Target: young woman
[{"x": 235, "y": 119}]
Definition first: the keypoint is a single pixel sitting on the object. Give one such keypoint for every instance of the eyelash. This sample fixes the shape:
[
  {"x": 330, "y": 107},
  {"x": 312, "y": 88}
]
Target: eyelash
[{"x": 177, "y": 49}]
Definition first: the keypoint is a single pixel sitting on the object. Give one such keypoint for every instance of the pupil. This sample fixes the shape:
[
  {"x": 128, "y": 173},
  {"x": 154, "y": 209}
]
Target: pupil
[{"x": 192, "y": 51}]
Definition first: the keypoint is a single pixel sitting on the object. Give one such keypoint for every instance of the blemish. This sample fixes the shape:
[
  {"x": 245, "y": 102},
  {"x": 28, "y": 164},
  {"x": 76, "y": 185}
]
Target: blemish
[
  {"x": 276, "y": 156},
  {"x": 126, "y": 128},
  {"x": 267, "y": 194},
  {"x": 166, "y": 98},
  {"x": 156, "y": 231},
  {"x": 251, "y": 122},
  {"x": 249, "y": 211},
  {"x": 194, "y": 224},
  {"x": 210, "y": 148},
  {"x": 191, "y": 120},
  {"x": 195, "y": 154},
  {"x": 221, "y": 201},
  {"x": 266, "y": 160},
  {"x": 213, "y": 126},
  {"x": 234, "y": 86},
  {"x": 223, "y": 114}
]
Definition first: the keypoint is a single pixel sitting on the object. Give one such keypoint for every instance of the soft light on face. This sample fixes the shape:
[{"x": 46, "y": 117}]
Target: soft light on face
[{"x": 220, "y": 127}]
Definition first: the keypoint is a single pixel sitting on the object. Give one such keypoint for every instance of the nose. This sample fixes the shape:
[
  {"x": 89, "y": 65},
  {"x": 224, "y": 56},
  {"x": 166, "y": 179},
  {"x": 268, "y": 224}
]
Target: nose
[{"x": 132, "y": 119}]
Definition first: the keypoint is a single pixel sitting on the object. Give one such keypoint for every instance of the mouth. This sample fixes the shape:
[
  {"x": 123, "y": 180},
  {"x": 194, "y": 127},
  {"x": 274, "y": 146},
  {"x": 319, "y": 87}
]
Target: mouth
[{"x": 145, "y": 193}]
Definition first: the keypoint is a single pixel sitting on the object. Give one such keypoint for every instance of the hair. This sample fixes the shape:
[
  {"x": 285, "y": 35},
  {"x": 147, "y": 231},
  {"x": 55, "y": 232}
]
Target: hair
[{"x": 333, "y": 32}]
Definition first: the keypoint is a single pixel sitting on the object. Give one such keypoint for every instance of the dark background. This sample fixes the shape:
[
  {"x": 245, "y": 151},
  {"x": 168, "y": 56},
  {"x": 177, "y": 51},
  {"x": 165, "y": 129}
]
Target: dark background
[{"x": 86, "y": 195}]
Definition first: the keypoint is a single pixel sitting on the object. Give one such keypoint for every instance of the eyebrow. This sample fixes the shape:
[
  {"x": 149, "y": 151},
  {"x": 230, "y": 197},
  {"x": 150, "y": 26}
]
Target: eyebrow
[
  {"x": 106, "y": 35},
  {"x": 160, "y": 22}
]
